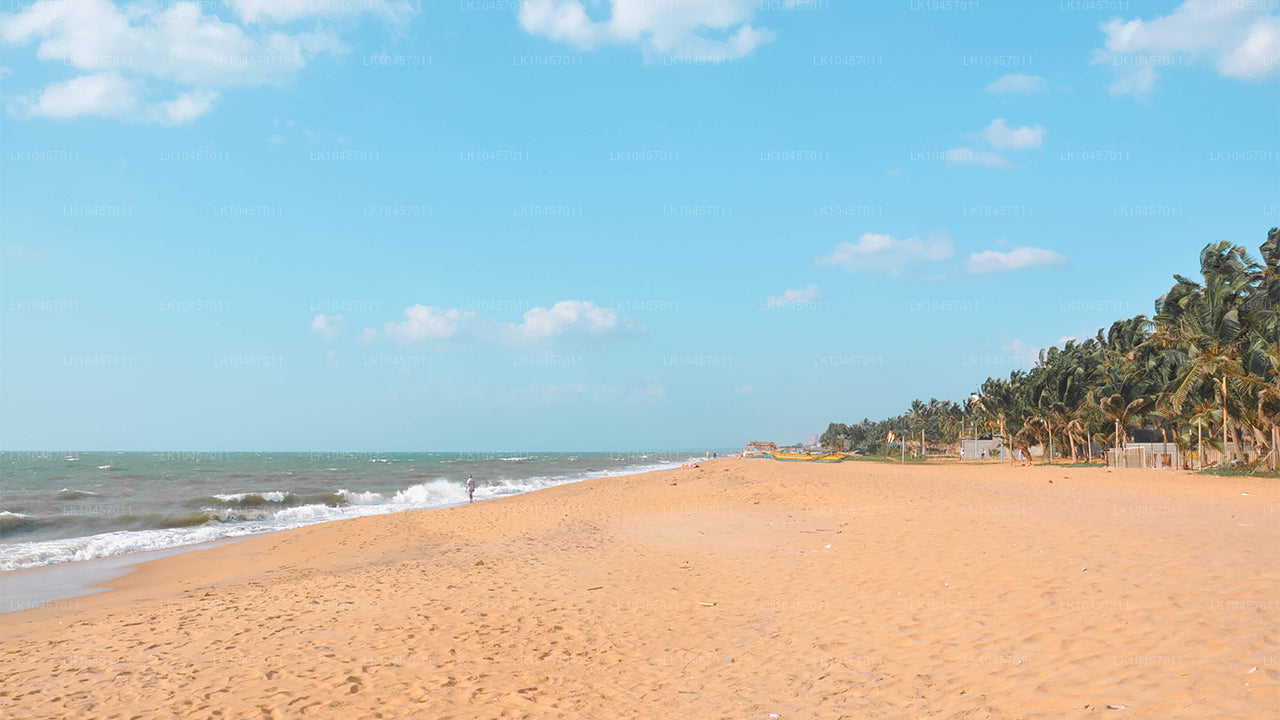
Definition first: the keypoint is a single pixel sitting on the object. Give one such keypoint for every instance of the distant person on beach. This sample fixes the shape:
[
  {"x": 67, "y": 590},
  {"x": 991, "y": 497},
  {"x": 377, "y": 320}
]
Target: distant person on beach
[{"x": 471, "y": 489}]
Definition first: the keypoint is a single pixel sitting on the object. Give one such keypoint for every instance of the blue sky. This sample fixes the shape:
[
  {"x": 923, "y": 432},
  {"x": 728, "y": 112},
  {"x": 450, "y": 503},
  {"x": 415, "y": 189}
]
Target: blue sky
[{"x": 552, "y": 224}]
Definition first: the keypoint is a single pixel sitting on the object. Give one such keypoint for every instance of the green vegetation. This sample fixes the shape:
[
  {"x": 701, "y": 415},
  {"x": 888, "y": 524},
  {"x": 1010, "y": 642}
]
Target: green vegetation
[
  {"x": 1203, "y": 369},
  {"x": 1232, "y": 472}
]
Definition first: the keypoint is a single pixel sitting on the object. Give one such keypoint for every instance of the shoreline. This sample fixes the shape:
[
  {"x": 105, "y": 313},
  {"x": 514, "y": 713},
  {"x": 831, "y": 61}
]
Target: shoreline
[
  {"x": 37, "y": 587},
  {"x": 854, "y": 588},
  {"x": 238, "y": 527},
  {"x": 32, "y": 588}
]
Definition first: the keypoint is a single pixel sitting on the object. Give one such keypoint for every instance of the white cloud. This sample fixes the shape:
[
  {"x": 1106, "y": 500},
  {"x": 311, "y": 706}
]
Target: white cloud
[
  {"x": 1241, "y": 39},
  {"x": 650, "y": 392},
  {"x": 985, "y": 158},
  {"x": 793, "y": 297},
  {"x": 103, "y": 94},
  {"x": 328, "y": 325},
  {"x": 1001, "y": 136},
  {"x": 885, "y": 254},
  {"x": 713, "y": 30},
  {"x": 1138, "y": 82},
  {"x": 424, "y": 322},
  {"x": 989, "y": 261},
  {"x": 158, "y": 62},
  {"x": 569, "y": 317},
  {"x": 185, "y": 107},
  {"x": 284, "y": 11},
  {"x": 1257, "y": 55},
  {"x": 1024, "y": 351},
  {"x": 1017, "y": 83}
]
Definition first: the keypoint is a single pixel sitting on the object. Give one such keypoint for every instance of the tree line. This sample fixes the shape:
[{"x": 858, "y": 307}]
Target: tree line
[{"x": 1203, "y": 372}]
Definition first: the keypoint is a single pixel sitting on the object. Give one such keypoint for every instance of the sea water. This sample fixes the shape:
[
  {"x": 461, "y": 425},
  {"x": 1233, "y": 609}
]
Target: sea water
[{"x": 58, "y": 507}]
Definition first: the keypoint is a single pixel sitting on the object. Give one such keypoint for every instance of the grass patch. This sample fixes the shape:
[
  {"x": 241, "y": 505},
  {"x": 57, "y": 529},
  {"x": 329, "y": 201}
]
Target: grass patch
[{"x": 1238, "y": 472}]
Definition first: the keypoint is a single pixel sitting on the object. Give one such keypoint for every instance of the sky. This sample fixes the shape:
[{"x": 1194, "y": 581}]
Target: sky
[{"x": 582, "y": 225}]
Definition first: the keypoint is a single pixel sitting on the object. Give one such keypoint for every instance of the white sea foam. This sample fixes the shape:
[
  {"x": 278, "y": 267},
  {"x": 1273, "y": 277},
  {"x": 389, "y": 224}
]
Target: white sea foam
[
  {"x": 231, "y": 523},
  {"x": 269, "y": 496},
  {"x": 364, "y": 498}
]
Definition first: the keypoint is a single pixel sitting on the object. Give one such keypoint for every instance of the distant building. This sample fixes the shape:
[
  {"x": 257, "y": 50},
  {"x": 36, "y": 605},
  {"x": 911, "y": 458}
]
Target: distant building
[{"x": 981, "y": 448}]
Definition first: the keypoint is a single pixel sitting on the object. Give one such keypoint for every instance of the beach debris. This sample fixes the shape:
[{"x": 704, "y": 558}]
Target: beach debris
[
  {"x": 706, "y": 604},
  {"x": 673, "y": 484},
  {"x": 1252, "y": 670},
  {"x": 479, "y": 563},
  {"x": 1115, "y": 707},
  {"x": 774, "y": 715},
  {"x": 598, "y": 587}
]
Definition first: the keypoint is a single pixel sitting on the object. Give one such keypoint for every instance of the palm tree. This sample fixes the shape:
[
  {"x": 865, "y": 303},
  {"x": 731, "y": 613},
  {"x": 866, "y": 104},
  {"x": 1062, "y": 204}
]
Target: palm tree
[
  {"x": 1205, "y": 368},
  {"x": 1201, "y": 325},
  {"x": 1122, "y": 412},
  {"x": 919, "y": 413}
]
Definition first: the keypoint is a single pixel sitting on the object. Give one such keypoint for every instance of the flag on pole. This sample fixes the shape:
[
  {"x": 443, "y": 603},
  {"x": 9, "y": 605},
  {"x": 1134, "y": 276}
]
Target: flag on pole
[{"x": 890, "y": 438}]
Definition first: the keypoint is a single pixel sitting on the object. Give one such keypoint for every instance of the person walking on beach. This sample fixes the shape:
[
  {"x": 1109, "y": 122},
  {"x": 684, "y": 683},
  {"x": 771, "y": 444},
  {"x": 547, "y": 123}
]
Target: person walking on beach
[{"x": 471, "y": 488}]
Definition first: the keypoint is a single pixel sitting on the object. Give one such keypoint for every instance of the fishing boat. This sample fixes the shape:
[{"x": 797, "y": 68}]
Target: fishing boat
[
  {"x": 792, "y": 457},
  {"x": 832, "y": 458}
]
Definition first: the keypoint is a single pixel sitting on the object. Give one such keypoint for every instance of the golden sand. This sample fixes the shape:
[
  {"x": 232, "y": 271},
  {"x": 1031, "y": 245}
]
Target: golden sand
[{"x": 741, "y": 589}]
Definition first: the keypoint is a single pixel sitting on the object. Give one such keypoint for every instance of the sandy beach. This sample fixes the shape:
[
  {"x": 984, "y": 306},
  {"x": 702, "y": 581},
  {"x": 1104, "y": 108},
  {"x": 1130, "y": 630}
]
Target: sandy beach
[{"x": 740, "y": 589}]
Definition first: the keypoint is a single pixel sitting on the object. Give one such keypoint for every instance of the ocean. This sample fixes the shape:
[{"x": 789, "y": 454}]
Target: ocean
[{"x": 58, "y": 507}]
